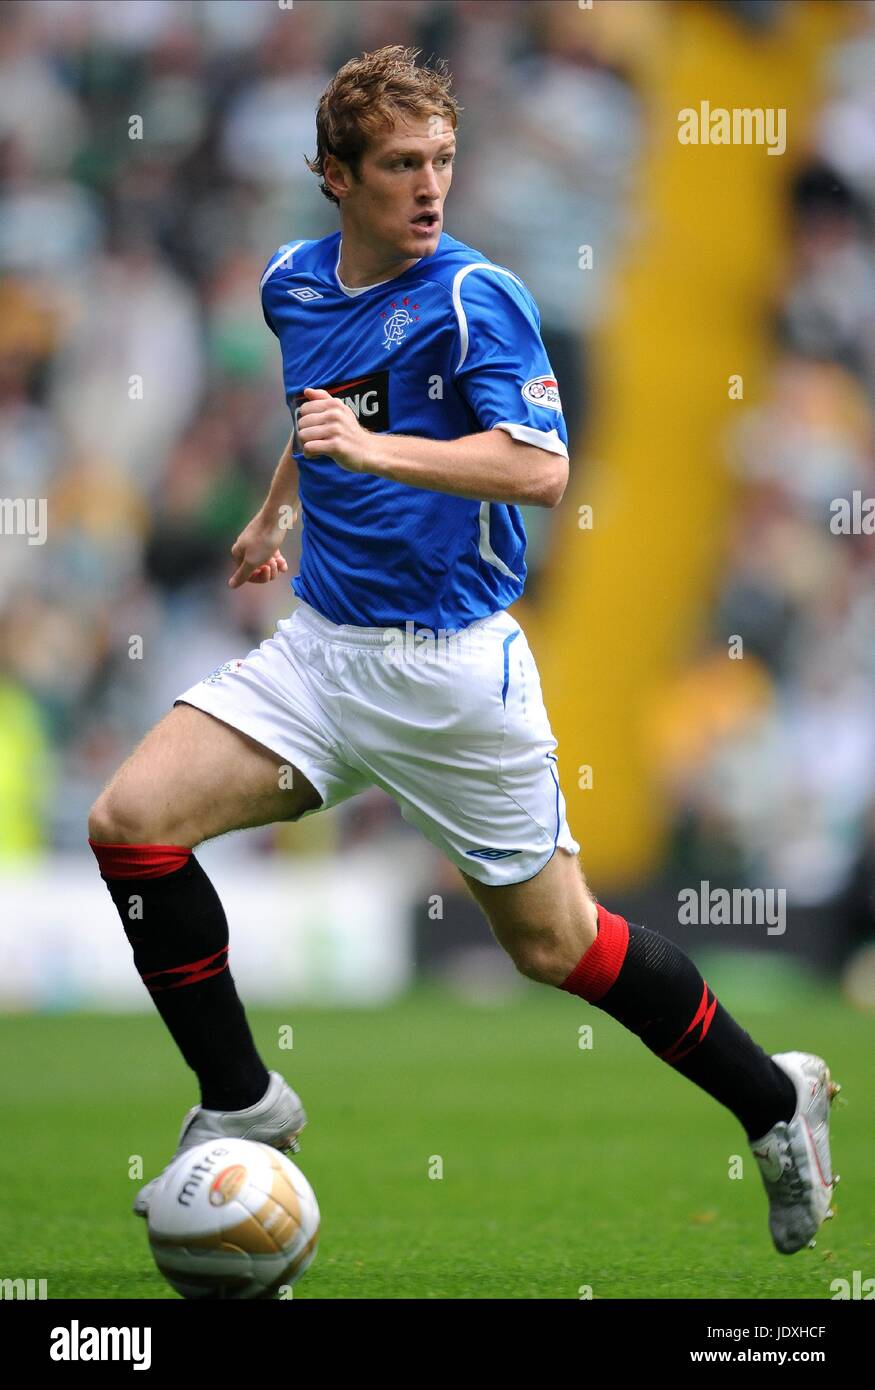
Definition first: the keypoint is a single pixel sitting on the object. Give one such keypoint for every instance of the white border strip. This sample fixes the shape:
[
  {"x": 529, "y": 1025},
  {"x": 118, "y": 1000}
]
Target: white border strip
[
  {"x": 541, "y": 439},
  {"x": 457, "y": 298},
  {"x": 486, "y": 550},
  {"x": 280, "y": 260}
]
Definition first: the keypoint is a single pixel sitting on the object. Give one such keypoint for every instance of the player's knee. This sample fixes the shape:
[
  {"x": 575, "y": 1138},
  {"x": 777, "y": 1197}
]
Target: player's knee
[
  {"x": 117, "y": 819},
  {"x": 533, "y": 966},
  {"x": 550, "y": 956},
  {"x": 101, "y": 825},
  {"x": 542, "y": 961}
]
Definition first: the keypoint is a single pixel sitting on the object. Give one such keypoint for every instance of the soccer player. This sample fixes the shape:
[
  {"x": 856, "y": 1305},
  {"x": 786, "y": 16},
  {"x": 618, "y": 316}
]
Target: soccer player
[{"x": 424, "y": 413}]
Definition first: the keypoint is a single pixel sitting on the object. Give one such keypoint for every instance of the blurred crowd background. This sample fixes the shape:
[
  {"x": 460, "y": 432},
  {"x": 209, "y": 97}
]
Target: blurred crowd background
[
  {"x": 123, "y": 257},
  {"x": 770, "y": 778}
]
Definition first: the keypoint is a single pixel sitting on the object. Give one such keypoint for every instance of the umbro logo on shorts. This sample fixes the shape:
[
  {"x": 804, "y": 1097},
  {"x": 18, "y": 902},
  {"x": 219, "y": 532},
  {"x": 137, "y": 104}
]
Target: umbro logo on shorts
[{"x": 491, "y": 853}]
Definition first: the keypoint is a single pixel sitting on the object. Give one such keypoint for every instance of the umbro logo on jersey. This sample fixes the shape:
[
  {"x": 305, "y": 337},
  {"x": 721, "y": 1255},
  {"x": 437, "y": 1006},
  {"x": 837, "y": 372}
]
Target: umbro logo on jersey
[
  {"x": 366, "y": 396},
  {"x": 543, "y": 390},
  {"x": 305, "y": 294},
  {"x": 491, "y": 853}
]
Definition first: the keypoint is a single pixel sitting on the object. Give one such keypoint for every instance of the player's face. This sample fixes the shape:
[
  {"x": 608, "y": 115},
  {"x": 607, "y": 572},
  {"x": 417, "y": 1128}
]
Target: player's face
[{"x": 404, "y": 177}]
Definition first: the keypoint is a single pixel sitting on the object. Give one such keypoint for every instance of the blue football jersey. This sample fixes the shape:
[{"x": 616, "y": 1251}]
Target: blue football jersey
[{"x": 449, "y": 348}]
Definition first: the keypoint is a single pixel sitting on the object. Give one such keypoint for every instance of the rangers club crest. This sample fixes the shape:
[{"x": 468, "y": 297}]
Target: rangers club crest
[{"x": 397, "y": 323}]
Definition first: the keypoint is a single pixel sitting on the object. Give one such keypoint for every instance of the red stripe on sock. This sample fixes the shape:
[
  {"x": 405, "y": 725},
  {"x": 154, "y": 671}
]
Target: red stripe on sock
[
  {"x": 704, "y": 1014},
  {"x": 193, "y": 970},
  {"x": 189, "y": 980},
  {"x": 139, "y": 861},
  {"x": 600, "y": 965}
]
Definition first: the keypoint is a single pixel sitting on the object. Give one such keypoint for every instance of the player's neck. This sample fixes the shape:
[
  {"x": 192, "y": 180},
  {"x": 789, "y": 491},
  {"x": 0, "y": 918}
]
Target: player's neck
[{"x": 360, "y": 265}]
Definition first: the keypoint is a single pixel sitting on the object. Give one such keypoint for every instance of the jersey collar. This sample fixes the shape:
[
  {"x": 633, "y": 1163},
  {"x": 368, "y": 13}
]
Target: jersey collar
[{"x": 363, "y": 289}]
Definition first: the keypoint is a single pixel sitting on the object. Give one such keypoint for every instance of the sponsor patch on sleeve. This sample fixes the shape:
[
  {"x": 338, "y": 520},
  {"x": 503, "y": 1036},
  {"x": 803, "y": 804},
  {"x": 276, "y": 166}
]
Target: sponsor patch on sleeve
[{"x": 544, "y": 391}]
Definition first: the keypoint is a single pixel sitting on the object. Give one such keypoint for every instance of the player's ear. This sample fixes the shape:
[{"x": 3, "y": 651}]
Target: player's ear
[{"x": 337, "y": 175}]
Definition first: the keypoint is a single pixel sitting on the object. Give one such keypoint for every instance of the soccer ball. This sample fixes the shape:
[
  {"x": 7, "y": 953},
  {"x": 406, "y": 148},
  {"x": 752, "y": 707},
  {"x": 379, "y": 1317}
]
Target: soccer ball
[{"x": 233, "y": 1219}]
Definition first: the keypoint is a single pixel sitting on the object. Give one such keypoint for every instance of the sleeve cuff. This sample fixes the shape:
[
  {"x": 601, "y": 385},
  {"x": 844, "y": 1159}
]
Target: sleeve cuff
[{"x": 541, "y": 439}]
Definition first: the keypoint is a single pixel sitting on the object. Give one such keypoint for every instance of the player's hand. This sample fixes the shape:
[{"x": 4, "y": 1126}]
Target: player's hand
[
  {"x": 327, "y": 426},
  {"x": 257, "y": 554}
]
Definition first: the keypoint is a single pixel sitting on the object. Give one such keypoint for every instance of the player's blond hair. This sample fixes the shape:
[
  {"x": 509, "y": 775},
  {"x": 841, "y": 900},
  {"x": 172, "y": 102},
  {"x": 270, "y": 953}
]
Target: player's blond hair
[{"x": 366, "y": 95}]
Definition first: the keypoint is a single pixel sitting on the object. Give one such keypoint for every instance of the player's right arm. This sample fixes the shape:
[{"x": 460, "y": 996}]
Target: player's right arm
[{"x": 257, "y": 548}]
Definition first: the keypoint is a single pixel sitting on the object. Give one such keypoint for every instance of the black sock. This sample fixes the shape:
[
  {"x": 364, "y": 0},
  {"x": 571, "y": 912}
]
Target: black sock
[
  {"x": 180, "y": 945},
  {"x": 657, "y": 993}
]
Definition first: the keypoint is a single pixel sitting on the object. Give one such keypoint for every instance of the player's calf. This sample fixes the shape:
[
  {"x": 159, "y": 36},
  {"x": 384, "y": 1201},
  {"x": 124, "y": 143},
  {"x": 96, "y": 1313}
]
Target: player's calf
[
  {"x": 176, "y": 926},
  {"x": 192, "y": 777},
  {"x": 649, "y": 985},
  {"x": 554, "y": 932}
]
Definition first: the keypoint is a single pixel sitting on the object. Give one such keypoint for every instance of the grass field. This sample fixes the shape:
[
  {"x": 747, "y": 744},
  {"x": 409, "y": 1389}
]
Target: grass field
[{"x": 562, "y": 1167}]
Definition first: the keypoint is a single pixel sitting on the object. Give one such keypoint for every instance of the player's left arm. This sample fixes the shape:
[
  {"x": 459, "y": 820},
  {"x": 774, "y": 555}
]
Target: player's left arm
[{"x": 490, "y": 466}]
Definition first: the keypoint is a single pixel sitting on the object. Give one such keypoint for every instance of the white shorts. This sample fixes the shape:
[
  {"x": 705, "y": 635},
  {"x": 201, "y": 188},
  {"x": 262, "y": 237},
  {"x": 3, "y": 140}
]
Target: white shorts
[{"x": 454, "y": 729}]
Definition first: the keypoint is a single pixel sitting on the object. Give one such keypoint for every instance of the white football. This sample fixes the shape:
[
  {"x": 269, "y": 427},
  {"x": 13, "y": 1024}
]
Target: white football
[{"x": 233, "y": 1219}]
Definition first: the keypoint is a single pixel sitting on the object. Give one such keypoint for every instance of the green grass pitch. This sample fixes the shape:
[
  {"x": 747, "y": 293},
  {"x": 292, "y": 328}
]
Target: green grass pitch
[{"x": 563, "y": 1167}]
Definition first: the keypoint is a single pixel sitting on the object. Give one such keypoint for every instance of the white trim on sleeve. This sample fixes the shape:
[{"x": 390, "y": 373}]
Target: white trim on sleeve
[
  {"x": 457, "y": 299},
  {"x": 542, "y": 439}
]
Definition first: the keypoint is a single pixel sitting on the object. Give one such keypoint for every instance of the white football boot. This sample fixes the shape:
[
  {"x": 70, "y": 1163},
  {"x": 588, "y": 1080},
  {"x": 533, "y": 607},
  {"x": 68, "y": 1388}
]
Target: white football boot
[
  {"x": 794, "y": 1156},
  {"x": 277, "y": 1119}
]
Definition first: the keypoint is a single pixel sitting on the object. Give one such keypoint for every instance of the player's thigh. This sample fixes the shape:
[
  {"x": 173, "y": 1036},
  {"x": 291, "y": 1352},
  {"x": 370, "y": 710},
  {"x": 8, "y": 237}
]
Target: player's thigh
[
  {"x": 194, "y": 777},
  {"x": 545, "y": 923}
]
